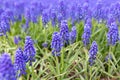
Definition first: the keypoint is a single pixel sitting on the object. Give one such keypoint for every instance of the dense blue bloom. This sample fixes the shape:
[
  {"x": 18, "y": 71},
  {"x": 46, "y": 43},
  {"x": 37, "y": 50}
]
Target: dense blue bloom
[
  {"x": 79, "y": 13},
  {"x": 64, "y": 32},
  {"x": 87, "y": 33},
  {"x": 29, "y": 50},
  {"x": 1, "y": 11},
  {"x": 105, "y": 12},
  {"x": 33, "y": 13},
  {"x": 18, "y": 10},
  {"x": 85, "y": 9},
  {"x": 110, "y": 20},
  {"x": 20, "y": 63},
  {"x": 45, "y": 17},
  {"x": 27, "y": 15},
  {"x": 89, "y": 22},
  {"x": 59, "y": 19},
  {"x": 38, "y": 7},
  {"x": 62, "y": 8},
  {"x": 99, "y": 11},
  {"x": 113, "y": 34},
  {"x": 93, "y": 52},
  {"x": 115, "y": 10},
  {"x": 53, "y": 17},
  {"x": 72, "y": 35},
  {"x": 16, "y": 39},
  {"x": 56, "y": 44},
  {"x": 4, "y": 24},
  {"x": 73, "y": 13},
  {"x": 9, "y": 14},
  {"x": 7, "y": 71}
]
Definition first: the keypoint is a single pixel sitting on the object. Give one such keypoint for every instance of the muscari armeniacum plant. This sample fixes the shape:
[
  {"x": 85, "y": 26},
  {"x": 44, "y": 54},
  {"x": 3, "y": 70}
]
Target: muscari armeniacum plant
[
  {"x": 53, "y": 17},
  {"x": 4, "y": 24},
  {"x": 20, "y": 63},
  {"x": 62, "y": 8},
  {"x": 29, "y": 50},
  {"x": 113, "y": 34},
  {"x": 56, "y": 44},
  {"x": 72, "y": 35},
  {"x": 45, "y": 17},
  {"x": 7, "y": 70},
  {"x": 64, "y": 32},
  {"x": 93, "y": 52},
  {"x": 87, "y": 33}
]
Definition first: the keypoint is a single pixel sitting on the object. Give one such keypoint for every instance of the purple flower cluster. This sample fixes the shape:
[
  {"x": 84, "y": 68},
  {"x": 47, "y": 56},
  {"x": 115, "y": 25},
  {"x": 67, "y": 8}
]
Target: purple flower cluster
[
  {"x": 45, "y": 17},
  {"x": 72, "y": 35},
  {"x": 62, "y": 8},
  {"x": 79, "y": 13},
  {"x": 17, "y": 39},
  {"x": 56, "y": 44},
  {"x": 93, "y": 52},
  {"x": 27, "y": 15},
  {"x": 59, "y": 19},
  {"x": 18, "y": 10},
  {"x": 20, "y": 63},
  {"x": 87, "y": 33},
  {"x": 113, "y": 34},
  {"x": 110, "y": 20},
  {"x": 53, "y": 17},
  {"x": 73, "y": 14},
  {"x": 7, "y": 71},
  {"x": 99, "y": 11},
  {"x": 115, "y": 10},
  {"x": 64, "y": 32},
  {"x": 29, "y": 50},
  {"x": 4, "y": 24}
]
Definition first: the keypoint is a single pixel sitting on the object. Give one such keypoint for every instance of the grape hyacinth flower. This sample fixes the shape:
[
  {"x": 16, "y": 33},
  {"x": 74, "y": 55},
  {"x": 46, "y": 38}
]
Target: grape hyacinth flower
[
  {"x": 59, "y": 19},
  {"x": 53, "y": 17},
  {"x": 62, "y": 8},
  {"x": 33, "y": 13},
  {"x": 27, "y": 15},
  {"x": 73, "y": 14},
  {"x": 38, "y": 7},
  {"x": 73, "y": 34},
  {"x": 113, "y": 34},
  {"x": 56, "y": 44},
  {"x": 1, "y": 11},
  {"x": 4, "y": 25},
  {"x": 20, "y": 63},
  {"x": 9, "y": 14},
  {"x": 93, "y": 52},
  {"x": 64, "y": 32},
  {"x": 18, "y": 10},
  {"x": 7, "y": 71},
  {"x": 110, "y": 20},
  {"x": 16, "y": 40},
  {"x": 85, "y": 9},
  {"x": 89, "y": 22},
  {"x": 98, "y": 13},
  {"x": 45, "y": 17},
  {"x": 115, "y": 10},
  {"x": 29, "y": 50},
  {"x": 79, "y": 13},
  {"x": 86, "y": 35}
]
